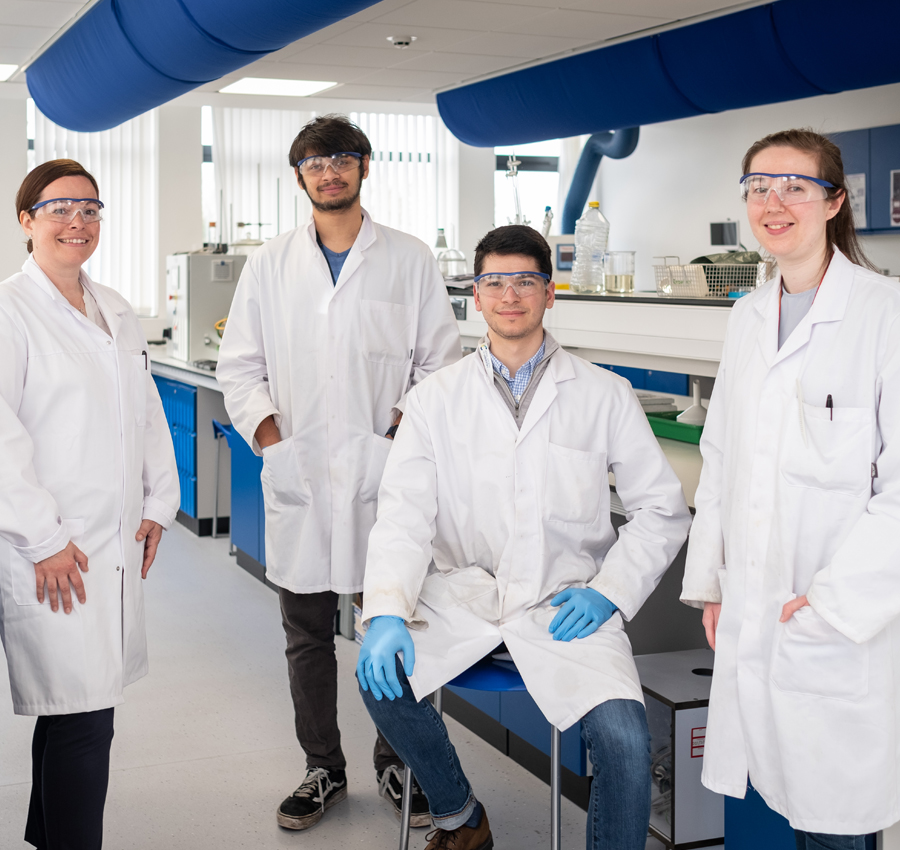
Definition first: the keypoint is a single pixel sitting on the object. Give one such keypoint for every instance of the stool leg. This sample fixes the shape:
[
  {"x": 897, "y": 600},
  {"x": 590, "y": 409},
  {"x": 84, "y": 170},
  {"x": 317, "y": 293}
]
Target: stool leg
[
  {"x": 439, "y": 701},
  {"x": 405, "y": 806},
  {"x": 554, "y": 788},
  {"x": 215, "y": 528}
]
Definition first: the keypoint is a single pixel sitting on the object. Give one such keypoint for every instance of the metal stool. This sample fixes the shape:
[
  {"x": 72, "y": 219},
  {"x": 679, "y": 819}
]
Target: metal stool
[
  {"x": 490, "y": 675},
  {"x": 219, "y": 431}
]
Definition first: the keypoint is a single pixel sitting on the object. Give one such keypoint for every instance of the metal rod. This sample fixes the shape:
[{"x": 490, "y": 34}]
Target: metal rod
[
  {"x": 554, "y": 788},
  {"x": 277, "y": 206},
  {"x": 439, "y": 701},
  {"x": 405, "y": 806},
  {"x": 259, "y": 199}
]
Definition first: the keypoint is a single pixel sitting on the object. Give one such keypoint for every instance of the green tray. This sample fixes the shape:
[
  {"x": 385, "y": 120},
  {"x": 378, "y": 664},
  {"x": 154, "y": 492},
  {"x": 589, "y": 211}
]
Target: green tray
[{"x": 665, "y": 425}]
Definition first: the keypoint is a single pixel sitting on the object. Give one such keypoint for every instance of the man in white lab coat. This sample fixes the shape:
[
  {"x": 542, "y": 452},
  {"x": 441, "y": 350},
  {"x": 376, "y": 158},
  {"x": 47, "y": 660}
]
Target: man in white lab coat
[
  {"x": 494, "y": 526},
  {"x": 331, "y": 324}
]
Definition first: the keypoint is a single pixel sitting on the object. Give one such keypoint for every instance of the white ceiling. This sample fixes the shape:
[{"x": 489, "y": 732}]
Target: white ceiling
[{"x": 457, "y": 41}]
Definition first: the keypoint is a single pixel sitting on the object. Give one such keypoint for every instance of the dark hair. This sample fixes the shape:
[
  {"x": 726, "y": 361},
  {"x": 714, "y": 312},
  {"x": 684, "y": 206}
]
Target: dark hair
[
  {"x": 328, "y": 134},
  {"x": 839, "y": 230},
  {"x": 515, "y": 239},
  {"x": 40, "y": 177}
]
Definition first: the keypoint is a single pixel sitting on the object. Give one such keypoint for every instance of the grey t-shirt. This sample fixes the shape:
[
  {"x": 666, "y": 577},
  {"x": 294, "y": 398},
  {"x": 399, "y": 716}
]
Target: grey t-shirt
[{"x": 794, "y": 306}]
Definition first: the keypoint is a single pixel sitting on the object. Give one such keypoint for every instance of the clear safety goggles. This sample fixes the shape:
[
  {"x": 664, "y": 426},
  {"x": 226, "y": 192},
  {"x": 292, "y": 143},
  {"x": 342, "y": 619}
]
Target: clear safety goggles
[
  {"x": 313, "y": 166},
  {"x": 523, "y": 284},
  {"x": 64, "y": 210},
  {"x": 790, "y": 188}
]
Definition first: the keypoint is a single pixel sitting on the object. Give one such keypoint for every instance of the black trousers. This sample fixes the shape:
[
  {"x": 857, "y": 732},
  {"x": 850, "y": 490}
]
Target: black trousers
[
  {"x": 69, "y": 779},
  {"x": 308, "y": 620}
]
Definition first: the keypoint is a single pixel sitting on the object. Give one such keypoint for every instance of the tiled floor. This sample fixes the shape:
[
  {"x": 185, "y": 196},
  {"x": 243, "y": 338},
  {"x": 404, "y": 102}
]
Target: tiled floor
[{"x": 205, "y": 749}]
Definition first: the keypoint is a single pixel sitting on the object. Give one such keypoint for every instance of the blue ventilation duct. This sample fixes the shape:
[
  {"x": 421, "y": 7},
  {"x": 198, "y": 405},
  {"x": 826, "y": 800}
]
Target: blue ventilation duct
[
  {"x": 125, "y": 57},
  {"x": 768, "y": 54},
  {"x": 616, "y": 145}
]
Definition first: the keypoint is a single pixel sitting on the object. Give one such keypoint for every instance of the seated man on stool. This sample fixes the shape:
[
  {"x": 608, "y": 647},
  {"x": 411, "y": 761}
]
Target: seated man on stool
[{"x": 494, "y": 526}]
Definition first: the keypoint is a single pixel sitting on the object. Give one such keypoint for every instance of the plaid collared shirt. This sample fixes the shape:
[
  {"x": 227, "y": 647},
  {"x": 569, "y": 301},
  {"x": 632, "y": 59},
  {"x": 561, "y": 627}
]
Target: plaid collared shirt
[{"x": 519, "y": 384}]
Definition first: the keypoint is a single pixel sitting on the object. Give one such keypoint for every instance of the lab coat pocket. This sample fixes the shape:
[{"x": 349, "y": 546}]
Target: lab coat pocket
[
  {"x": 281, "y": 478},
  {"x": 24, "y": 582},
  {"x": 574, "y": 485},
  {"x": 811, "y": 657},
  {"x": 138, "y": 381},
  {"x": 386, "y": 332},
  {"x": 379, "y": 449},
  {"x": 829, "y": 449}
]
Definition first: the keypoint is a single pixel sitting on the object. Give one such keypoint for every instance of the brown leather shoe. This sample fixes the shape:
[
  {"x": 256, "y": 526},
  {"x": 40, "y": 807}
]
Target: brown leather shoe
[{"x": 462, "y": 838}]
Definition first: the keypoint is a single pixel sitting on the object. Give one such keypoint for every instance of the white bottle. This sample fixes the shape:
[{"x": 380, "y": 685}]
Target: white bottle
[{"x": 591, "y": 238}]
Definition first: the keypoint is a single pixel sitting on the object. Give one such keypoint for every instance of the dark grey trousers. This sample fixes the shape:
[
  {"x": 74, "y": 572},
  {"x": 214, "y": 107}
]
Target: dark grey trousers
[{"x": 308, "y": 620}]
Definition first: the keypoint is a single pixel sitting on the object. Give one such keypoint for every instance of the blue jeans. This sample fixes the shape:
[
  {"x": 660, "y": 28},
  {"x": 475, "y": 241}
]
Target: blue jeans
[
  {"x": 817, "y": 841},
  {"x": 616, "y": 732}
]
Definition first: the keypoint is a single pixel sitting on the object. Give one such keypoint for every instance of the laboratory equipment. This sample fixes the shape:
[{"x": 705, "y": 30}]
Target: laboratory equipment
[
  {"x": 548, "y": 221},
  {"x": 513, "y": 174},
  {"x": 562, "y": 249},
  {"x": 451, "y": 262},
  {"x": 696, "y": 413},
  {"x": 441, "y": 242},
  {"x": 618, "y": 271},
  {"x": 683, "y": 814},
  {"x": 680, "y": 281},
  {"x": 199, "y": 290},
  {"x": 725, "y": 233},
  {"x": 591, "y": 237}
]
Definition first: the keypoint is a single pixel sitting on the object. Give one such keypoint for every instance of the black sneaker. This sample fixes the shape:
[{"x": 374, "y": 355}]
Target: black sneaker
[
  {"x": 390, "y": 786},
  {"x": 321, "y": 789}
]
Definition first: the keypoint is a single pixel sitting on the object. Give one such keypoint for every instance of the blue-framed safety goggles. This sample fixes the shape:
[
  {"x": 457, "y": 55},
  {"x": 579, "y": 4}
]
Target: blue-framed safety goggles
[
  {"x": 523, "y": 284},
  {"x": 64, "y": 210},
  {"x": 340, "y": 162},
  {"x": 790, "y": 188}
]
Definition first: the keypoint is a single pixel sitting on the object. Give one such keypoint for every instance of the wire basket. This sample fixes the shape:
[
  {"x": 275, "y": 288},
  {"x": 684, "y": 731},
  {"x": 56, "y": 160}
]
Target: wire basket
[{"x": 708, "y": 280}]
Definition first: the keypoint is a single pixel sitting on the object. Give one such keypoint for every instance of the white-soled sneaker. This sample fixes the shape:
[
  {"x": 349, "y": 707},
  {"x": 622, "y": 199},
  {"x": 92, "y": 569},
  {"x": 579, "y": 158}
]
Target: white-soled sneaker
[
  {"x": 390, "y": 786},
  {"x": 322, "y": 789}
]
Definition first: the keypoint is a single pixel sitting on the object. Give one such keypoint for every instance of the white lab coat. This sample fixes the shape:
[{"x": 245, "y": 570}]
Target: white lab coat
[
  {"x": 329, "y": 362},
  {"x": 787, "y": 506},
  {"x": 480, "y": 525},
  {"x": 85, "y": 455}
]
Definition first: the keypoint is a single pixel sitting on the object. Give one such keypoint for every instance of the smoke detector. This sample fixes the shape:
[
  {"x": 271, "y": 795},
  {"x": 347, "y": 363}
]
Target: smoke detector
[{"x": 401, "y": 41}]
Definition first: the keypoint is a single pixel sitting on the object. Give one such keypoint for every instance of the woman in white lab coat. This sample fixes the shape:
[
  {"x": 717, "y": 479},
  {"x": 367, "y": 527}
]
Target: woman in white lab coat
[
  {"x": 87, "y": 483},
  {"x": 795, "y": 550}
]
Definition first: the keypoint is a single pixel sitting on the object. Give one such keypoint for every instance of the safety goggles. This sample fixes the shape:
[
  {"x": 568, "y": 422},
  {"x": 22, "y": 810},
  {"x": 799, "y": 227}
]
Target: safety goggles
[
  {"x": 790, "y": 188},
  {"x": 64, "y": 210},
  {"x": 313, "y": 166},
  {"x": 523, "y": 284}
]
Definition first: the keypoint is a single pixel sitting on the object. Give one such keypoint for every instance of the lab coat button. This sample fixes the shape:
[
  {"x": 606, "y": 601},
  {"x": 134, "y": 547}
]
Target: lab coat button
[{"x": 118, "y": 568}]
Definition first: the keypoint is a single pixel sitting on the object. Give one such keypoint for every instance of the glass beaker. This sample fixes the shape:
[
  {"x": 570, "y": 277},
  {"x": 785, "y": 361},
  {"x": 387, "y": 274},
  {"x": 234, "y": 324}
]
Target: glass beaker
[{"x": 618, "y": 271}]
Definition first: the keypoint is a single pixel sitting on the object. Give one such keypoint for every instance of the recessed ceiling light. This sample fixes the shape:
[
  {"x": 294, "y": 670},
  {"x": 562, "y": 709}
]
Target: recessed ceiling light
[
  {"x": 6, "y": 71},
  {"x": 401, "y": 41},
  {"x": 288, "y": 88}
]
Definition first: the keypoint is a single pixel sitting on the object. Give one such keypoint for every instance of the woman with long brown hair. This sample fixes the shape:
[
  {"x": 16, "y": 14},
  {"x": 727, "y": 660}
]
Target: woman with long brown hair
[
  {"x": 87, "y": 484},
  {"x": 794, "y": 554}
]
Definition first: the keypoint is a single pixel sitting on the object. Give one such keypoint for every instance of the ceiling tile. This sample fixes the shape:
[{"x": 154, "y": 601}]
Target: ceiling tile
[
  {"x": 15, "y": 55},
  {"x": 468, "y": 63},
  {"x": 298, "y": 71},
  {"x": 472, "y": 14},
  {"x": 428, "y": 38},
  {"x": 358, "y": 91},
  {"x": 44, "y": 12},
  {"x": 593, "y": 26},
  {"x": 361, "y": 57},
  {"x": 412, "y": 77},
  {"x": 520, "y": 46},
  {"x": 25, "y": 37}
]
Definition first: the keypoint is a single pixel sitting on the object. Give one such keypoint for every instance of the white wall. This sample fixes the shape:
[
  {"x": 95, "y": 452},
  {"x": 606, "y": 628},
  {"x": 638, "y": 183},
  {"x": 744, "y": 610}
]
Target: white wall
[
  {"x": 476, "y": 197},
  {"x": 14, "y": 160},
  {"x": 684, "y": 175}
]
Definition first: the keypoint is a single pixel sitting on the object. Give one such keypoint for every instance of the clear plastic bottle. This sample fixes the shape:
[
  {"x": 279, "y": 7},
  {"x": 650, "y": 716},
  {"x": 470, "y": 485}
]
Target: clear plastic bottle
[
  {"x": 591, "y": 238},
  {"x": 548, "y": 221}
]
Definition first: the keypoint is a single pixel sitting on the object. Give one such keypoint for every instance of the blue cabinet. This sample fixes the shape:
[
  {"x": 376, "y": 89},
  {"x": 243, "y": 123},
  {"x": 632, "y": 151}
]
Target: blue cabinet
[
  {"x": 179, "y": 402},
  {"x": 652, "y": 379},
  {"x": 248, "y": 521},
  {"x": 875, "y": 152}
]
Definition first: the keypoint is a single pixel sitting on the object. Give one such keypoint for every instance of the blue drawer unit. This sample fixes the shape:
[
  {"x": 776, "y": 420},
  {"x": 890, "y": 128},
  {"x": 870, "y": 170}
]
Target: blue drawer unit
[
  {"x": 247, "y": 515},
  {"x": 652, "y": 379},
  {"x": 180, "y": 406}
]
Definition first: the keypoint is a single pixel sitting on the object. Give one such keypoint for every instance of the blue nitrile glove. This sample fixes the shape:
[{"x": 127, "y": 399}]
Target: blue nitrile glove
[
  {"x": 376, "y": 668},
  {"x": 583, "y": 612}
]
